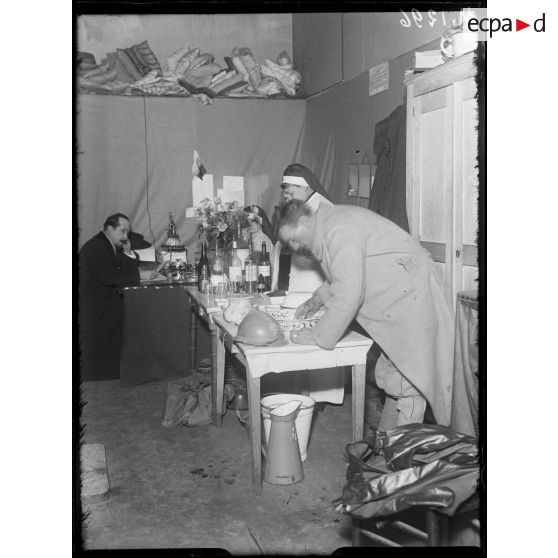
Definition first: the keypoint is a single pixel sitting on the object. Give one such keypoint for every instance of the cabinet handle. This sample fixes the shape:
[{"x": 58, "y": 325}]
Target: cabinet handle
[{"x": 457, "y": 253}]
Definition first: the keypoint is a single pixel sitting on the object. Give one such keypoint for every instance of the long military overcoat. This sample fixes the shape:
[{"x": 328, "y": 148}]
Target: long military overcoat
[{"x": 381, "y": 275}]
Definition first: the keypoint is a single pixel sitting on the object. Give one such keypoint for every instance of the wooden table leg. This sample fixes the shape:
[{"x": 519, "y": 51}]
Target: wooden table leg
[
  {"x": 355, "y": 531},
  {"x": 193, "y": 338},
  {"x": 217, "y": 375},
  {"x": 359, "y": 385},
  {"x": 255, "y": 431}
]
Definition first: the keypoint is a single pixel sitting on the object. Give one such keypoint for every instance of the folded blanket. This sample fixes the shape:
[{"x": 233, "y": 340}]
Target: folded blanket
[{"x": 128, "y": 64}]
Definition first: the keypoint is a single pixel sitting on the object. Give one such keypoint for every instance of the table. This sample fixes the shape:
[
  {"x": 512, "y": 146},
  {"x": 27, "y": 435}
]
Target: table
[
  {"x": 200, "y": 309},
  {"x": 350, "y": 351},
  {"x": 258, "y": 361}
]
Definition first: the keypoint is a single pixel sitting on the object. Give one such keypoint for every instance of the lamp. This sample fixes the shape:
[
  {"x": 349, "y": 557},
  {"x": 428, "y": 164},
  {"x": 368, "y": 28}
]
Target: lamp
[{"x": 173, "y": 250}]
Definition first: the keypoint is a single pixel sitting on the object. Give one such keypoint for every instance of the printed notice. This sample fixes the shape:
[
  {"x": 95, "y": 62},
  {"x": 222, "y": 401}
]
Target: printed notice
[{"x": 378, "y": 78}]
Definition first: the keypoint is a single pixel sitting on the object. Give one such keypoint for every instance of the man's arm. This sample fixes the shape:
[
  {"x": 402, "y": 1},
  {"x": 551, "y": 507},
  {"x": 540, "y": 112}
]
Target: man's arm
[
  {"x": 344, "y": 294},
  {"x": 108, "y": 269}
]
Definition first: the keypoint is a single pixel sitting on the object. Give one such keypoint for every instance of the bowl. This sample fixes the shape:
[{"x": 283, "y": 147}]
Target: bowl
[
  {"x": 240, "y": 400},
  {"x": 295, "y": 299},
  {"x": 285, "y": 318}
]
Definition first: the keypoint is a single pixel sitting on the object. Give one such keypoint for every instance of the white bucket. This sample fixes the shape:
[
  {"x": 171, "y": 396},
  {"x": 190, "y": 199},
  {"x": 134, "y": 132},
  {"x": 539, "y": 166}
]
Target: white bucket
[{"x": 303, "y": 420}]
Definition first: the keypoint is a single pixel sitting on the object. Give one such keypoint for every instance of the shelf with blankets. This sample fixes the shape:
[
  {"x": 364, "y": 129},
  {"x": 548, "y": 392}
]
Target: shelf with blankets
[{"x": 187, "y": 73}]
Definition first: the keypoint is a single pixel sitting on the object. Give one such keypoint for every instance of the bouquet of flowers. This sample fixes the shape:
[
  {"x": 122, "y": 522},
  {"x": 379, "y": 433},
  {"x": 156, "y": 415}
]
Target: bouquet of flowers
[{"x": 215, "y": 217}]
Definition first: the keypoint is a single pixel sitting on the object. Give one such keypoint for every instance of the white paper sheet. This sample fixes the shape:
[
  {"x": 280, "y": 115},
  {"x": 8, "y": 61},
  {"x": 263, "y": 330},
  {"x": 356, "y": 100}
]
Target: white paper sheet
[
  {"x": 378, "y": 79},
  {"x": 202, "y": 188},
  {"x": 233, "y": 189}
]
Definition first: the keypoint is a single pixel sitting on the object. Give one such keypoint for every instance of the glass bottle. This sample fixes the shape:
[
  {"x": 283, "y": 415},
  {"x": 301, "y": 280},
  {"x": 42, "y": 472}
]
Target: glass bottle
[
  {"x": 204, "y": 270},
  {"x": 264, "y": 267},
  {"x": 235, "y": 269},
  {"x": 259, "y": 299},
  {"x": 217, "y": 270},
  {"x": 250, "y": 270},
  {"x": 242, "y": 246}
]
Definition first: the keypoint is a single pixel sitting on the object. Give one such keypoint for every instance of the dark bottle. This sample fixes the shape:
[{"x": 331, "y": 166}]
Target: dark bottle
[
  {"x": 264, "y": 268},
  {"x": 204, "y": 270},
  {"x": 250, "y": 270},
  {"x": 242, "y": 246},
  {"x": 261, "y": 284}
]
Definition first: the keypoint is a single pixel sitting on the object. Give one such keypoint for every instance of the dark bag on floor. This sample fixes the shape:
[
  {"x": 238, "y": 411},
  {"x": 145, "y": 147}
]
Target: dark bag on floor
[
  {"x": 421, "y": 465},
  {"x": 188, "y": 402}
]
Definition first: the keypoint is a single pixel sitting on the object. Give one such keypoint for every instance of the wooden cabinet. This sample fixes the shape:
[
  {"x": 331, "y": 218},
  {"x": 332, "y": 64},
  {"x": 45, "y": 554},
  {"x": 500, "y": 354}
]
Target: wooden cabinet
[{"x": 442, "y": 178}]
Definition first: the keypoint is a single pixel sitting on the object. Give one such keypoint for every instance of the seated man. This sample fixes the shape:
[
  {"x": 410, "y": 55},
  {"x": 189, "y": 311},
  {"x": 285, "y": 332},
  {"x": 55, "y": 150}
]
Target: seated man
[
  {"x": 106, "y": 261},
  {"x": 381, "y": 276}
]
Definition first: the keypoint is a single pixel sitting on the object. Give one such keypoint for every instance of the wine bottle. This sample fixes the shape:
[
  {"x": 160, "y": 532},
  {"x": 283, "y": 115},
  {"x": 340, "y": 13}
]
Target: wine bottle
[
  {"x": 251, "y": 270},
  {"x": 204, "y": 270},
  {"x": 264, "y": 267},
  {"x": 259, "y": 299},
  {"x": 217, "y": 270},
  {"x": 242, "y": 246},
  {"x": 235, "y": 269}
]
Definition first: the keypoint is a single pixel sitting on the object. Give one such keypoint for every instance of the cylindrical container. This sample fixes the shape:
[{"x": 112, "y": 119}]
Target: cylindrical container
[
  {"x": 283, "y": 462},
  {"x": 303, "y": 419}
]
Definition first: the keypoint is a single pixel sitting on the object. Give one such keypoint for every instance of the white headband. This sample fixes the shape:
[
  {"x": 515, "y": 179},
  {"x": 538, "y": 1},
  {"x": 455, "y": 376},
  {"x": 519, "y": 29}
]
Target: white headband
[{"x": 296, "y": 180}]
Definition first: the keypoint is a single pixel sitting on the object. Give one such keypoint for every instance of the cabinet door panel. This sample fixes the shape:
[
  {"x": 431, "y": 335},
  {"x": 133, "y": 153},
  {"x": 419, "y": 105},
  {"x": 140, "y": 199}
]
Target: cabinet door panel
[
  {"x": 441, "y": 269},
  {"x": 432, "y": 217},
  {"x": 442, "y": 179},
  {"x": 469, "y": 278},
  {"x": 432, "y": 170}
]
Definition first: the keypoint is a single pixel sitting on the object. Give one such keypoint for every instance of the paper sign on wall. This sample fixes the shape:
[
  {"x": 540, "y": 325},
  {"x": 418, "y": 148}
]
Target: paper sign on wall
[
  {"x": 202, "y": 188},
  {"x": 233, "y": 189},
  {"x": 378, "y": 78}
]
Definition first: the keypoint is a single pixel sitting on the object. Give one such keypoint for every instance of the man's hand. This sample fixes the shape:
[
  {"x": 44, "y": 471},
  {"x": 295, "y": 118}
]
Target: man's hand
[
  {"x": 302, "y": 337},
  {"x": 127, "y": 247},
  {"x": 308, "y": 308}
]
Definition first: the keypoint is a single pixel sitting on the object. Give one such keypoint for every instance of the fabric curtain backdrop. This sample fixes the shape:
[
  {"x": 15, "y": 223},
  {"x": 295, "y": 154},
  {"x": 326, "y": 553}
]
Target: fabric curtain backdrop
[
  {"x": 254, "y": 138},
  {"x": 388, "y": 196},
  {"x": 465, "y": 397}
]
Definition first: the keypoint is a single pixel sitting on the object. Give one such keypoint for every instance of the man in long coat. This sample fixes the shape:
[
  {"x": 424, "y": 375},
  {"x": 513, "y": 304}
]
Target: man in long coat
[
  {"x": 380, "y": 275},
  {"x": 106, "y": 261}
]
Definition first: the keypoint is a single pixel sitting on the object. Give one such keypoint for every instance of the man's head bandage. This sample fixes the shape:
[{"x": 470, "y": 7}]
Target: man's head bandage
[{"x": 296, "y": 180}]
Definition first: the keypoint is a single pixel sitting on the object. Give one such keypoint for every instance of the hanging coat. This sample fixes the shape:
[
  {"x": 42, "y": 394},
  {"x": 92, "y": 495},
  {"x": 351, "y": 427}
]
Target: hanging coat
[
  {"x": 388, "y": 197},
  {"x": 381, "y": 275}
]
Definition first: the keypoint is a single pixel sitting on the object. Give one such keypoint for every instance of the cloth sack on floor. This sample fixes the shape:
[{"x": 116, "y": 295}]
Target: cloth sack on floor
[{"x": 188, "y": 401}]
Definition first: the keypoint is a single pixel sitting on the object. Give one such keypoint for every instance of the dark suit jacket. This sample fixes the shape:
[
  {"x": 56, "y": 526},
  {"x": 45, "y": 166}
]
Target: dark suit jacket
[{"x": 101, "y": 271}]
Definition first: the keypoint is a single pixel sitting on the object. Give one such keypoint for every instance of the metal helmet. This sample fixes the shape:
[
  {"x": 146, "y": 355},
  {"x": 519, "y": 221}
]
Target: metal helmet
[{"x": 258, "y": 328}]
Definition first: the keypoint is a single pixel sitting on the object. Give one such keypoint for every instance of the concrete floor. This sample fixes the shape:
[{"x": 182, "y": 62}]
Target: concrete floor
[{"x": 191, "y": 487}]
